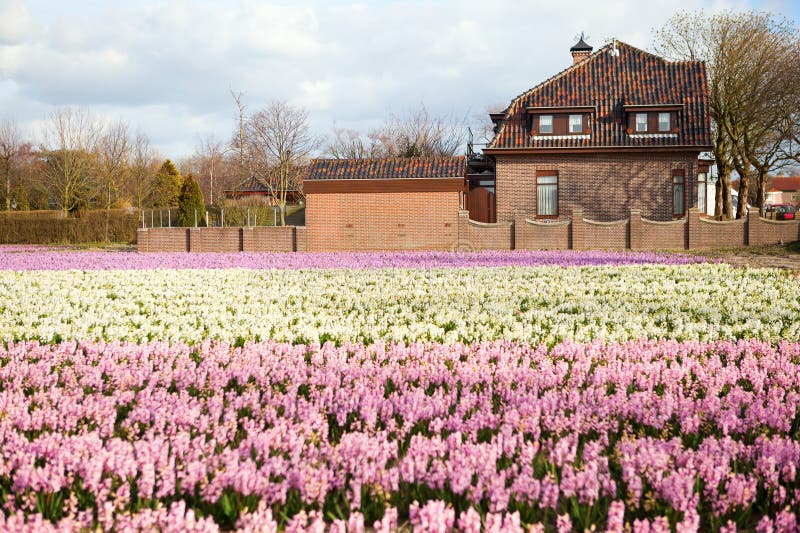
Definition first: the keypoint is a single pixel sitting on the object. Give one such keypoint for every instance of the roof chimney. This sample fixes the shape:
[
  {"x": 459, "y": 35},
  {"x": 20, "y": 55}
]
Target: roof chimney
[{"x": 580, "y": 51}]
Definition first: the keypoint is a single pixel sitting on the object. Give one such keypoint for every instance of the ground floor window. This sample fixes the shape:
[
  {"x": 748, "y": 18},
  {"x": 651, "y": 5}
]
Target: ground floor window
[
  {"x": 702, "y": 179},
  {"x": 547, "y": 193},
  {"x": 678, "y": 208}
]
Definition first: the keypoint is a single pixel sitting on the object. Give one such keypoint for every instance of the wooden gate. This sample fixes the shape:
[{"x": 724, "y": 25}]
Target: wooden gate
[{"x": 482, "y": 205}]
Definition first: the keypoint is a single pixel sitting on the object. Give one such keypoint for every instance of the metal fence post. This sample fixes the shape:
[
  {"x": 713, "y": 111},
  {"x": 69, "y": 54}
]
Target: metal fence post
[
  {"x": 152, "y": 219},
  {"x": 142, "y": 218},
  {"x": 195, "y": 218},
  {"x": 248, "y": 216},
  {"x": 222, "y": 217},
  {"x": 169, "y": 217},
  {"x": 160, "y": 218}
]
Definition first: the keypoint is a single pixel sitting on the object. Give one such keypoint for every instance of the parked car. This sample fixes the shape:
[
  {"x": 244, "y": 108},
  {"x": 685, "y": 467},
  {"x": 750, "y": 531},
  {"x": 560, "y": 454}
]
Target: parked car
[{"x": 780, "y": 212}]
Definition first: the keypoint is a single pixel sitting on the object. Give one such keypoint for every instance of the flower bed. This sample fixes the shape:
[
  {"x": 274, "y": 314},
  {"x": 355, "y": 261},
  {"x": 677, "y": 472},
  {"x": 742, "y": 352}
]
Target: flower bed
[
  {"x": 26, "y": 258},
  {"x": 543, "y": 304},
  {"x": 647, "y": 435}
]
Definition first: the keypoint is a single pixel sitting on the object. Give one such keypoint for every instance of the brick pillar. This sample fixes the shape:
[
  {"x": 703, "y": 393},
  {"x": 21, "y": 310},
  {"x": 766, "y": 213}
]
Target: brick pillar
[
  {"x": 142, "y": 240},
  {"x": 300, "y": 239},
  {"x": 693, "y": 227},
  {"x": 195, "y": 240},
  {"x": 518, "y": 232},
  {"x": 635, "y": 230},
  {"x": 578, "y": 230},
  {"x": 463, "y": 231}
]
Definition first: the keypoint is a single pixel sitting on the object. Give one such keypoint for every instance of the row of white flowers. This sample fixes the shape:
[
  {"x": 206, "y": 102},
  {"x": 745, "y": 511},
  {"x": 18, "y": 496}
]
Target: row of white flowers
[{"x": 541, "y": 304}]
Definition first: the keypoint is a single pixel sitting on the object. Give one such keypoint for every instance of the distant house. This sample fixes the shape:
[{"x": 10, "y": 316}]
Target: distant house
[
  {"x": 254, "y": 188},
  {"x": 619, "y": 129},
  {"x": 784, "y": 190},
  {"x": 384, "y": 204}
]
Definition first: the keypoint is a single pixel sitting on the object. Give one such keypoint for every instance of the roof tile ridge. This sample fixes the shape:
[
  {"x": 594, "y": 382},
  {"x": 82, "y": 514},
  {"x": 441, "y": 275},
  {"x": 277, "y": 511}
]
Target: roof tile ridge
[{"x": 594, "y": 55}]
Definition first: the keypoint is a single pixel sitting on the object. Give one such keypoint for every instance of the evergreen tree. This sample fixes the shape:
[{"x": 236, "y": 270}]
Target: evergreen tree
[
  {"x": 166, "y": 186},
  {"x": 190, "y": 202}
]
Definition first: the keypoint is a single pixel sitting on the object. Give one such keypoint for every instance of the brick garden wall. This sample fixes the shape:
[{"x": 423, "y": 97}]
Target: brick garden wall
[
  {"x": 537, "y": 235},
  {"x": 635, "y": 233},
  {"x": 606, "y": 187}
]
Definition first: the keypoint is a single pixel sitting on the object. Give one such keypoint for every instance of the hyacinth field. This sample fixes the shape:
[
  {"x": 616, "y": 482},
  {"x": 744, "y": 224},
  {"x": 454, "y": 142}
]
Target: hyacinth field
[{"x": 513, "y": 391}]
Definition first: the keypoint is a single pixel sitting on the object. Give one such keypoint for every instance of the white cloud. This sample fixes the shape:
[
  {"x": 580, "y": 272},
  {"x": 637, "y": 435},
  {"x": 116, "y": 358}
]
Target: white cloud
[
  {"x": 15, "y": 22},
  {"x": 169, "y": 66}
]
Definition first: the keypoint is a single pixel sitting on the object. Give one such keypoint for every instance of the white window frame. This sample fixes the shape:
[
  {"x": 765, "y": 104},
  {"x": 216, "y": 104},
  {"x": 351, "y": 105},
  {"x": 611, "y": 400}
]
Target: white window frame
[
  {"x": 661, "y": 118},
  {"x": 576, "y": 120},
  {"x": 546, "y": 182},
  {"x": 545, "y": 128},
  {"x": 702, "y": 191},
  {"x": 639, "y": 128}
]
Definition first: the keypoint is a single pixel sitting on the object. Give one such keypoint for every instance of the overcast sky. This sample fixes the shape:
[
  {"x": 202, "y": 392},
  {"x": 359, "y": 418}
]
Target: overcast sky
[{"x": 168, "y": 67}]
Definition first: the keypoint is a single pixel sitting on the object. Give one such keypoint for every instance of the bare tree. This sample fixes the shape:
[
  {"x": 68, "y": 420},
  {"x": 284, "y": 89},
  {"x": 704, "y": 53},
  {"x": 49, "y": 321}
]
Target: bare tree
[
  {"x": 209, "y": 161},
  {"x": 70, "y": 138},
  {"x": 144, "y": 164},
  {"x": 416, "y": 134},
  {"x": 240, "y": 141},
  {"x": 748, "y": 56},
  {"x": 349, "y": 144},
  {"x": 420, "y": 134},
  {"x": 279, "y": 143},
  {"x": 10, "y": 145}
]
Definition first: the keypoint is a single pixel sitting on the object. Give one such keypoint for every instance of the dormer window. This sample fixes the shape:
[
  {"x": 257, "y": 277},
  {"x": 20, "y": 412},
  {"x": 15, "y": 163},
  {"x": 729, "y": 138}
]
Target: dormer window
[
  {"x": 576, "y": 123},
  {"x": 663, "y": 122},
  {"x": 641, "y": 122},
  {"x": 545, "y": 123}
]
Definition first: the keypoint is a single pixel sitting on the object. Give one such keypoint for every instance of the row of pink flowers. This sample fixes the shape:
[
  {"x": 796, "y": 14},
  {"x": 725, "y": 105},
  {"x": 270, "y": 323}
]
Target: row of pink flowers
[
  {"x": 650, "y": 435},
  {"x": 22, "y": 258}
]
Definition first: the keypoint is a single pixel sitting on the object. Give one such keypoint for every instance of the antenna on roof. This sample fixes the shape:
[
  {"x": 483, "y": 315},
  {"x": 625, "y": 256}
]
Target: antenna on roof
[{"x": 614, "y": 51}]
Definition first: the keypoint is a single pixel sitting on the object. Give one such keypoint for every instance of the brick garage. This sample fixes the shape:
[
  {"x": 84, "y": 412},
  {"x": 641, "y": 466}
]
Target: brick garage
[
  {"x": 605, "y": 186},
  {"x": 389, "y": 204}
]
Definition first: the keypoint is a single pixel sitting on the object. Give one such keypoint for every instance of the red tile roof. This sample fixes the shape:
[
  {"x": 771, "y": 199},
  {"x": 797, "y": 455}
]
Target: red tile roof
[
  {"x": 402, "y": 168},
  {"x": 608, "y": 83},
  {"x": 785, "y": 183}
]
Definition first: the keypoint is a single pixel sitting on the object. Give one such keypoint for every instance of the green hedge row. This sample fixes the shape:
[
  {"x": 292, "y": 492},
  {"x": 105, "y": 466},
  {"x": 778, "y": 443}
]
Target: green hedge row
[{"x": 51, "y": 227}]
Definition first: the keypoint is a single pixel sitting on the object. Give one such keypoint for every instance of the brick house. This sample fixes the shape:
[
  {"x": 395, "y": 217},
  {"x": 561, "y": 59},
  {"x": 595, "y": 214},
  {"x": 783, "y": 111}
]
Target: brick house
[
  {"x": 785, "y": 190},
  {"x": 619, "y": 129},
  {"x": 384, "y": 204}
]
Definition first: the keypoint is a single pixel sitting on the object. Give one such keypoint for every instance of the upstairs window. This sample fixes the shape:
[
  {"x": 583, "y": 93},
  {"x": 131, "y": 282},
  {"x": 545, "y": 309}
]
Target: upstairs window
[
  {"x": 663, "y": 122},
  {"x": 576, "y": 123},
  {"x": 545, "y": 123},
  {"x": 641, "y": 122}
]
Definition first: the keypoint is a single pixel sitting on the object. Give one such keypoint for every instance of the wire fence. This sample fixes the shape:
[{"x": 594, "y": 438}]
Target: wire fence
[{"x": 212, "y": 217}]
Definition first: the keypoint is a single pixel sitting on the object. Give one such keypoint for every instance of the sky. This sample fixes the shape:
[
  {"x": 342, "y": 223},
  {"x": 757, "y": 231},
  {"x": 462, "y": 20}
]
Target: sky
[{"x": 168, "y": 68}]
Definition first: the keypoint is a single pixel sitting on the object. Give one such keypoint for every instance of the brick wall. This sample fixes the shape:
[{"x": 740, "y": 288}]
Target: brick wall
[
  {"x": 707, "y": 233},
  {"x": 762, "y": 231},
  {"x": 606, "y": 187},
  {"x": 660, "y": 235},
  {"x": 606, "y": 235},
  {"x": 482, "y": 236},
  {"x": 382, "y": 221},
  {"x": 636, "y": 233},
  {"x": 536, "y": 235},
  {"x": 268, "y": 239},
  {"x": 215, "y": 239},
  {"x": 163, "y": 240}
]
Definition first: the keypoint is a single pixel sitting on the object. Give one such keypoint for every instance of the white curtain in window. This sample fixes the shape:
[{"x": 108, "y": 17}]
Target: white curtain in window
[
  {"x": 663, "y": 122},
  {"x": 545, "y": 123},
  {"x": 641, "y": 122},
  {"x": 547, "y": 194},
  {"x": 575, "y": 123}
]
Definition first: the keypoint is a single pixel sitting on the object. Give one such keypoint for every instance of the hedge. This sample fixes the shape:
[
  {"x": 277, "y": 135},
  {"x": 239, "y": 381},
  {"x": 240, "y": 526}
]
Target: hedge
[{"x": 51, "y": 227}]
